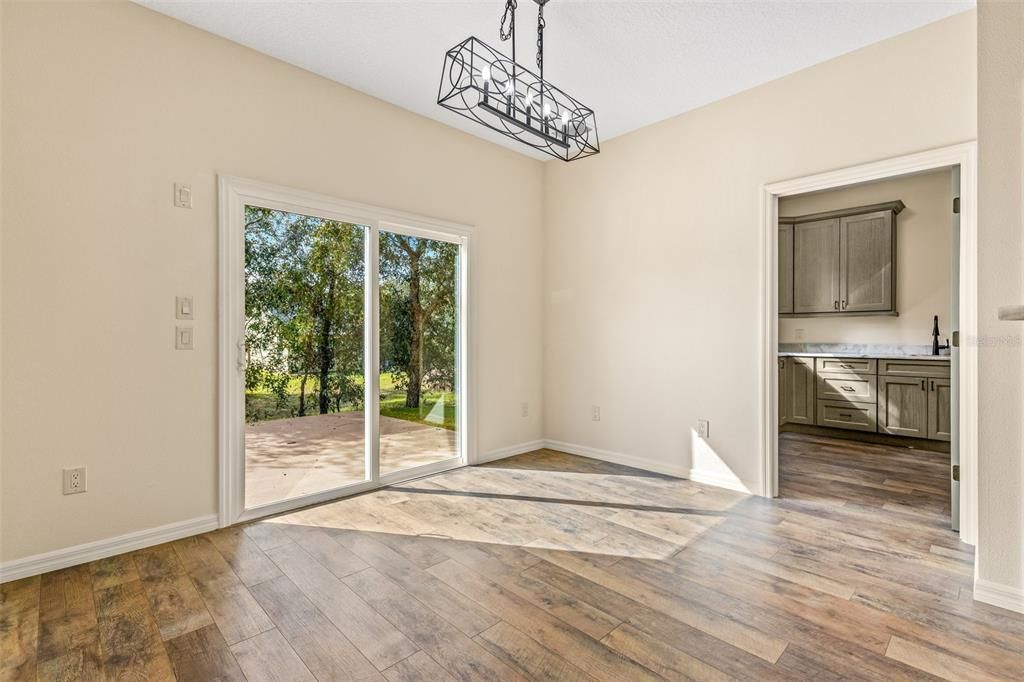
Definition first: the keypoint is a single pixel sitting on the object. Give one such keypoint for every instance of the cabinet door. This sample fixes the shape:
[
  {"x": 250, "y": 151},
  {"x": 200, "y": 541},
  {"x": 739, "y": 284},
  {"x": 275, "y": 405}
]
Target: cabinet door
[
  {"x": 903, "y": 406},
  {"x": 866, "y": 263},
  {"x": 801, "y": 390},
  {"x": 785, "y": 269},
  {"x": 816, "y": 267},
  {"x": 784, "y": 391},
  {"x": 940, "y": 421}
]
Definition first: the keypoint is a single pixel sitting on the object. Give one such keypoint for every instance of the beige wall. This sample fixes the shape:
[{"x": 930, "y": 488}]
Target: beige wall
[
  {"x": 105, "y": 106},
  {"x": 1001, "y": 282},
  {"x": 924, "y": 261},
  {"x": 652, "y": 269}
]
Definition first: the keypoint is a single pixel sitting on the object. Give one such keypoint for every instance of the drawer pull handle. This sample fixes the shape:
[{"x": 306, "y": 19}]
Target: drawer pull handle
[
  {"x": 848, "y": 389},
  {"x": 845, "y": 416},
  {"x": 924, "y": 383}
]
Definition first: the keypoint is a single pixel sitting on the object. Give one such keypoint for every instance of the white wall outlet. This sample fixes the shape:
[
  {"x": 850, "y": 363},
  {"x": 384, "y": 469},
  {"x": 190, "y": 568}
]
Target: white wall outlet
[
  {"x": 182, "y": 195},
  {"x": 595, "y": 413},
  {"x": 799, "y": 334},
  {"x": 74, "y": 481},
  {"x": 704, "y": 428},
  {"x": 183, "y": 338},
  {"x": 524, "y": 409},
  {"x": 183, "y": 307}
]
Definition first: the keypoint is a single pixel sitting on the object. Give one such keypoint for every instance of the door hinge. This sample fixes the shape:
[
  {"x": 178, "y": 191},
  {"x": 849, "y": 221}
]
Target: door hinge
[
  {"x": 956, "y": 472},
  {"x": 956, "y": 204}
]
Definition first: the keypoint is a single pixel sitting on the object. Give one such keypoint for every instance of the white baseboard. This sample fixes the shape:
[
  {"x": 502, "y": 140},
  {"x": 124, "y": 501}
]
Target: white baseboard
[
  {"x": 718, "y": 480},
  {"x": 101, "y": 549},
  {"x": 510, "y": 451},
  {"x": 616, "y": 458},
  {"x": 1004, "y": 596}
]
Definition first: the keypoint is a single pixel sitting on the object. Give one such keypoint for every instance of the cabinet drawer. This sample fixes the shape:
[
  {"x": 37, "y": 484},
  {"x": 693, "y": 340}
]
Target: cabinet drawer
[
  {"x": 840, "y": 415},
  {"x": 857, "y": 365},
  {"x": 938, "y": 369},
  {"x": 853, "y": 388}
]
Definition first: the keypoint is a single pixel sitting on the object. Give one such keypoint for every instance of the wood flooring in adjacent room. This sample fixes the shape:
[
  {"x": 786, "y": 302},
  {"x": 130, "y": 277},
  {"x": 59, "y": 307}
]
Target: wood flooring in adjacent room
[{"x": 546, "y": 567}]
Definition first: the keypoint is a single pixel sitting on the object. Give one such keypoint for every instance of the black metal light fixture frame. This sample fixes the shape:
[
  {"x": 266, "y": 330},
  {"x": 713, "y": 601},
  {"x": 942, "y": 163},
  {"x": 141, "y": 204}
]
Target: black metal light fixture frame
[{"x": 484, "y": 85}]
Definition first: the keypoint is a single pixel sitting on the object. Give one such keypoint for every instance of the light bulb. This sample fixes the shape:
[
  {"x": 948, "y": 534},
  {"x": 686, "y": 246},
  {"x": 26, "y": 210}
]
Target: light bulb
[
  {"x": 547, "y": 110},
  {"x": 485, "y": 72},
  {"x": 565, "y": 120},
  {"x": 510, "y": 88}
]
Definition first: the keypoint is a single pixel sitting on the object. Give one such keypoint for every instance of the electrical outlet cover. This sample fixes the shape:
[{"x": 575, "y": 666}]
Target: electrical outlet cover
[{"x": 75, "y": 481}]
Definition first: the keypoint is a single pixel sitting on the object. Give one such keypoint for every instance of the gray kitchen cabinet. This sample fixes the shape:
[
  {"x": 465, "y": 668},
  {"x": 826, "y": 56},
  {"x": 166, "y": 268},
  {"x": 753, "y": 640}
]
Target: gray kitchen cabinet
[
  {"x": 816, "y": 267},
  {"x": 784, "y": 393},
  {"x": 867, "y": 248},
  {"x": 843, "y": 262},
  {"x": 851, "y": 388},
  {"x": 843, "y": 415},
  {"x": 847, "y": 365},
  {"x": 899, "y": 396},
  {"x": 940, "y": 418},
  {"x": 903, "y": 406},
  {"x": 785, "y": 268},
  {"x": 801, "y": 390}
]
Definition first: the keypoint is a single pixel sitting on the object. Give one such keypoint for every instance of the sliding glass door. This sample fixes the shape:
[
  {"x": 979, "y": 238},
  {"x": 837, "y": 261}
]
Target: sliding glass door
[
  {"x": 419, "y": 322},
  {"x": 349, "y": 349},
  {"x": 305, "y": 290}
]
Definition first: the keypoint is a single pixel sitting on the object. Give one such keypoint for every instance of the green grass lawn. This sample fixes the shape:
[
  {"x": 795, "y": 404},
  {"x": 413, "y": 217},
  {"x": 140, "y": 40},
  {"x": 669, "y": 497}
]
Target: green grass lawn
[{"x": 263, "y": 405}]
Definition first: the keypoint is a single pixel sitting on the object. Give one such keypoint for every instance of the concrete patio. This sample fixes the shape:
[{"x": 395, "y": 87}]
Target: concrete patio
[{"x": 287, "y": 458}]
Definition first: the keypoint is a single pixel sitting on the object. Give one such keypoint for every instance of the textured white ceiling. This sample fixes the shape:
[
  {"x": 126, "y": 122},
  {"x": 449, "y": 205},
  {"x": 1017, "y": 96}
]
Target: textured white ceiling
[{"x": 634, "y": 62}]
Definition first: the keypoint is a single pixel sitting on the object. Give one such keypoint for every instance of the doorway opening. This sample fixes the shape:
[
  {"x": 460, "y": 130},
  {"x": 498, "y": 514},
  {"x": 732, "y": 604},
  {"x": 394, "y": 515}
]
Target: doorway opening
[
  {"x": 343, "y": 332},
  {"x": 864, "y": 405}
]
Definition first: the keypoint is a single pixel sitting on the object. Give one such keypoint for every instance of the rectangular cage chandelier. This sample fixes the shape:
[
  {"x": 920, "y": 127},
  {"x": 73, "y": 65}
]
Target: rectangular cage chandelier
[{"x": 484, "y": 85}]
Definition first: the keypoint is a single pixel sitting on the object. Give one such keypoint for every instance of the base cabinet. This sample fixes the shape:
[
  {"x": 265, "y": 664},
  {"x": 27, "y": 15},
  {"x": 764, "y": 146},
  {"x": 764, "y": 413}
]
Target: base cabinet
[
  {"x": 796, "y": 390},
  {"x": 842, "y": 415},
  {"x": 940, "y": 416},
  {"x": 903, "y": 406},
  {"x": 901, "y": 397}
]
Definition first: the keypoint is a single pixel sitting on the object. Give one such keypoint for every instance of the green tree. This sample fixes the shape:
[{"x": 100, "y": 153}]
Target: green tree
[
  {"x": 418, "y": 311},
  {"x": 304, "y": 306}
]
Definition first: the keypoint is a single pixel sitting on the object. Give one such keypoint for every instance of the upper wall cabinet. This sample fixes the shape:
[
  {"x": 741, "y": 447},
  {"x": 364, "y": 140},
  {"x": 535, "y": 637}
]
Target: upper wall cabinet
[
  {"x": 842, "y": 262},
  {"x": 816, "y": 266},
  {"x": 785, "y": 268}
]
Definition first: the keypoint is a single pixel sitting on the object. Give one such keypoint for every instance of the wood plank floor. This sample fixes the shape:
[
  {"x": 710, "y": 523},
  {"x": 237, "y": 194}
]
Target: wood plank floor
[{"x": 546, "y": 567}]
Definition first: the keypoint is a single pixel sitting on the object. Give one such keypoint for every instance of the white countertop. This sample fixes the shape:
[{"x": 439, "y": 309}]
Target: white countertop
[{"x": 852, "y": 354}]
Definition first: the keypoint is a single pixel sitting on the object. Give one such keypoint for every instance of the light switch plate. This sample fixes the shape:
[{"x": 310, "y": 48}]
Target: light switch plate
[
  {"x": 703, "y": 428},
  {"x": 183, "y": 307},
  {"x": 182, "y": 195},
  {"x": 183, "y": 338}
]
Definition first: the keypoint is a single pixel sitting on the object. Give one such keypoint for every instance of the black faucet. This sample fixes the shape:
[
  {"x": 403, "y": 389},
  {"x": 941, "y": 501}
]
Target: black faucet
[{"x": 935, "y": 338}]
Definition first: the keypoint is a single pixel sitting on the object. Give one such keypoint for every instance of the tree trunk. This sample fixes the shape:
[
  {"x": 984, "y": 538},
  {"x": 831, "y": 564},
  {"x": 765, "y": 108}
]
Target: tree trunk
[
  {"x": 415, "y": 370},
  {"x": 302, "y": 395},
  {"x": 326, "y": 354}
]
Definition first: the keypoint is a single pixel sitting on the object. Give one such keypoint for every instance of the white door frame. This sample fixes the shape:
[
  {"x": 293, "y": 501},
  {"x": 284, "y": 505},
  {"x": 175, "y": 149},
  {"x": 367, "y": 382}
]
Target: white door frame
[
  {"x": 234, "y": 194},
  {"x": 966, "y": 156}
]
